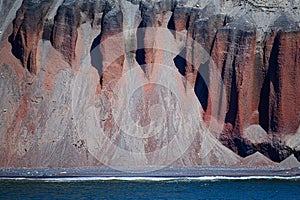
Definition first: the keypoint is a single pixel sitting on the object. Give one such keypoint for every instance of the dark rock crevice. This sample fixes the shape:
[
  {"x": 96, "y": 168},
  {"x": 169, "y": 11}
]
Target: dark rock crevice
[
  {"x": 231, "y": 139},
  {"x": 266, "y": 107},
  {"x": 231, "y": 115},
  {"x": 140, "y": 54},
  {"x": 201, "y": 85},
  {"x": 275, "y": 151},
  {"x": 96, "y": 57},
  {"x": 297, "y": 155},
  {"x": 111, "y": 23},
  {"x": 47, "y": 31},
  {"x": 171, "y": 23},
  {"x": 244, "y": 147},
  {"x": 180, "y": 62}
]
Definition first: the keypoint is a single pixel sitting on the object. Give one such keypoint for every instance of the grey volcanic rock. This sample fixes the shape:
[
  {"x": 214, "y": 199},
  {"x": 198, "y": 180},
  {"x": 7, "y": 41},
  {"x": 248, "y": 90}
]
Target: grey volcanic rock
[
  {"x": 257, "y": 159},
  {"x": 256, "y": 134},
  {"x": 135, "y": 83},
  {"x": 290, "y": 162}
]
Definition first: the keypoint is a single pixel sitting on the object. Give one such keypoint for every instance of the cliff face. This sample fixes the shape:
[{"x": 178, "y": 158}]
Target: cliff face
[{"x": 149, "y": 83}]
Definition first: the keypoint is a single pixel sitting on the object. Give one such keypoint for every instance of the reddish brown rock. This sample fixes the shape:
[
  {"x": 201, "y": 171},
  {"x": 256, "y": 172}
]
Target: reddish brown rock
[
  {"x": 27, "y": 31},
  {"x": 233, "y": 52},
  {"x": 64, "y": 32},
  {"x": 85, "y": 101},
  {"x": 153, "y": 14},
  {"x": 111, "y": 66},
  {"x": 279, "y": 107}
]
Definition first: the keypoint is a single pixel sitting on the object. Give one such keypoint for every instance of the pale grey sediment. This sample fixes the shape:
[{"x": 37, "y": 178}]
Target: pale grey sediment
[{"x": 168, "y": 172}]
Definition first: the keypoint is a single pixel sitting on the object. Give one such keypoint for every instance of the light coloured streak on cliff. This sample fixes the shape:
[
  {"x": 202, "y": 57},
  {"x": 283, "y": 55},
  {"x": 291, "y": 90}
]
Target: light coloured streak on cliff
[
  {"x": 11, "y": 15},
  {"x": 53, "y": 10}
]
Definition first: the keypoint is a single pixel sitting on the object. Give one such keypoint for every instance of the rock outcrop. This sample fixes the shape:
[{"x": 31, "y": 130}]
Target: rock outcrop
[
  {"x": 27, "y": 31},
  {"x": 149, "y": 83}
]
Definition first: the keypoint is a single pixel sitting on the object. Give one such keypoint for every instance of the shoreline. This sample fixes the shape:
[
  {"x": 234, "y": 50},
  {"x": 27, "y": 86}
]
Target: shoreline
[{"x": 106, "y": 173}]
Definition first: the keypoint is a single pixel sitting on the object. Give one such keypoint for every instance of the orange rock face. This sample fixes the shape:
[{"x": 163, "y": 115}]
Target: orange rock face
[{"x": 148, "y": 83}]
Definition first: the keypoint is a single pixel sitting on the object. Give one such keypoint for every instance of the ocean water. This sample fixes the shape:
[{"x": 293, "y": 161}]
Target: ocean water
[{"x": 149, "y": 188}]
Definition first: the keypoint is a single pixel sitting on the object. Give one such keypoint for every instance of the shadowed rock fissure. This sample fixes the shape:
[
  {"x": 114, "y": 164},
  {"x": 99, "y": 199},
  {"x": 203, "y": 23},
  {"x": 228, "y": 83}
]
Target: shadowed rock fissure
[
  {"x": 140, "y": 54},
  {"x": 276, "y": 151},
  {"x": 96, "y": 57},
  {"x": 106, "y": 29},
  {"x": 17, "y": 47},
  {"x": 265, "y": 94},
  {"x": 180, "y": 62},
  {"x": 171, "y": 23},
  {"x": 200, "y": 88},
  {"x": 201, "y": 85},
  {"x": 244, "y": 147},
  {"x": 233, "y": 102}
]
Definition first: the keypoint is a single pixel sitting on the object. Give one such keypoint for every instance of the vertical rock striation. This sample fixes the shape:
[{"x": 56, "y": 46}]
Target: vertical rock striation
[
  {"x": 134, "y": 83},
  {"x": 64, "y": 32},
  {"x": 27, "y": 31},
  {"x": 278, "y": 106}
]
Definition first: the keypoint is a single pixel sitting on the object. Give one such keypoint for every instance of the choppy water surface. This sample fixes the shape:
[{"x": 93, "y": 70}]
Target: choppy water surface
[{"x": 139, "y": 188}]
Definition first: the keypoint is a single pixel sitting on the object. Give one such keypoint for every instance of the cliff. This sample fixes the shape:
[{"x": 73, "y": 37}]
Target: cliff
[{"x": 149, "y": 83}]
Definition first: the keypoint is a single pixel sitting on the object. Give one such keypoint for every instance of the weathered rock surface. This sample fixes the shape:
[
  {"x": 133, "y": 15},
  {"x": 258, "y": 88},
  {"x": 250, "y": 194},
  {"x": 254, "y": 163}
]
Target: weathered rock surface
[
  {"x": 290, "y": 162},
  {"x": 27, "y": 31},
  {"x": 149, "y": 83},
  {"x": 257, "y": 159}
]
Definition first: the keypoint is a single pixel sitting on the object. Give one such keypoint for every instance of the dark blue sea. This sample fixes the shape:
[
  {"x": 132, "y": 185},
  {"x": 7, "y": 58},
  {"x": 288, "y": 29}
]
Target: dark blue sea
[{"x": 151, "y": 189}]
